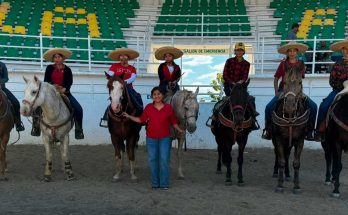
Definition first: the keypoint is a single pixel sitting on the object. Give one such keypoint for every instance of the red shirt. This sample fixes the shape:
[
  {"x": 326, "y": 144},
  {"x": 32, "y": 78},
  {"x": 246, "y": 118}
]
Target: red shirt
[
  {"x": 159, "y": 121},
  {"x": 235, "y": 71},
  {"x": 284, "y": 65},
  {"x": 57, "y": 76},
  {"x": 119, "y": 70}
]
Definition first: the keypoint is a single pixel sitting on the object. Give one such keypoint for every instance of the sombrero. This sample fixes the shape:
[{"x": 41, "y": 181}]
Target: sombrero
[
  {"x": 337, "y": 47},
  {"x": 115, "y": 55},
  {"x": 293, "y": 45},
  {"x": 159, "y": 54},
  {"x": 48, "y": 55}
]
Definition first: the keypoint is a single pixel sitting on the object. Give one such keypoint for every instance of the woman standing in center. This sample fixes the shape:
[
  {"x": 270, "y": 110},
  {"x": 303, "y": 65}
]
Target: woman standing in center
[{"x": 159, "y": 116}]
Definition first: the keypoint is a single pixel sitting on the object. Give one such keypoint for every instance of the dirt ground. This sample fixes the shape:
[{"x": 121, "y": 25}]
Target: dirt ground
[{"x": 202, "y": 191}]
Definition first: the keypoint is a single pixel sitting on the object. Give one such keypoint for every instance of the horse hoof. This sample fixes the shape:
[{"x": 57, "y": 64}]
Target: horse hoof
[
  {"x": 6, "y": 170},
  {"x": 228, "y": 182},
  {"x": 181, "y": 177},
  {"x": 115, "y": 178},
  {"x": 327, "y": 183},
  {"x": 70, "y": 177},
  {"x": 279, "y": 190},
  {"x": 335, "y": 195},
  {"x": 4, "y": 179},
  {"x": 241, "y": 183},
  {"x": 297, "y": 191},
  {"x": 47, "y": 178},
  {"x": 275, "y": 175},
  {"x": 218, "y": 172}
]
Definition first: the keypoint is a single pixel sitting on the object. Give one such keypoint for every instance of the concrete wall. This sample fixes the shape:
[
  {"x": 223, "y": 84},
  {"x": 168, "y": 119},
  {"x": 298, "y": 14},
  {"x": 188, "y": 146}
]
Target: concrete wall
[{"x": 90, "y": 90}]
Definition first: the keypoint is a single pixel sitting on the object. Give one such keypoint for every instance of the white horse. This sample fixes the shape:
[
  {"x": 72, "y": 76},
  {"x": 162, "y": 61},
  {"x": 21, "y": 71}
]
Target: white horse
[
  {"x": 55, "y": 122},
  {"x": 186, "y": 109}
]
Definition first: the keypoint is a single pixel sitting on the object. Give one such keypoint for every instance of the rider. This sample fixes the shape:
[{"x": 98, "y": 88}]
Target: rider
[
  {"x": 127, "y": 73},
  {"x": 291, "y": 62},
  {"x": 169, "y": 73},
  {"x": 11, "y": 97},
  {"x": 60, "y": 75},
  {"x": 236, "y": 70},
  {"x": 338, "y": 75}
]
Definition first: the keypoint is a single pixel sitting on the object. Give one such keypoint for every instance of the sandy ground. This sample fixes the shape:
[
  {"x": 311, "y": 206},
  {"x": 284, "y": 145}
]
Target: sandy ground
[{"x": 202, "y": 191}]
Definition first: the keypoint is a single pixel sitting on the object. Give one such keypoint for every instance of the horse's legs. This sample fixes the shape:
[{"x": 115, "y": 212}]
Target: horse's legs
[
  {"x": 296, "y": 165},
  {"x": 218, "y": 168},
  {"x": 180, "y": 156},
  {"x": 3, "y": 144},
  {"x": 276, "y": 165},
  {"x": 131, "y": 142},
  {"x": 337, "y": 162},
  {"x": 281, "y": 164},
  {"x": 328, "y": 159},
  {"x": 287, "y": 170},
  {"x": 64, "y": 150},
  {"x": 116, "y": 144},
  {"x": 48, "y": 164},
  {"x": 241, "y": 148},
  {"x": 227, "y": 160}
]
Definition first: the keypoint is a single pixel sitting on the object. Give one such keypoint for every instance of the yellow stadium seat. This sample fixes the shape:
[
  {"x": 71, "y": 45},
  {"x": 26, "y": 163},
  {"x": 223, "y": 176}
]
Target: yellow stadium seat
[
  {"x": 331, "y": 11},
  {"x": 69, "y": 10},
  {"x": 19, "y": 30},
  {"x": 70, "y": 21},
  {"x": 308, "y": 17},
  {"x": 59, "y": 9},
  {"x": 328, "y": 22},
  {"x": 5, "y": 5},
  {"x": 2, "y": 16},
  {"x": 81, "y": 21},
  {"x": 58, "y": 19},
  {"x": 304, "y": 28},
  {"x": 91, "y": 16},
  {"x": 48, "y": 13},
  {"x": 317, "y": 22},
  {"x": 46, "y": 32},
  {"x": 7, "y": 29},
  {"x": 309, "y": 12},
  {"x": 320, "y": 12},
  {"x": 92, "y": 27},
  {"x": 95, "y": 34},
  {"x": 3, "y": 10},
  {"x": 301, "y": 35},
  {"x": 81, "y": 11}
]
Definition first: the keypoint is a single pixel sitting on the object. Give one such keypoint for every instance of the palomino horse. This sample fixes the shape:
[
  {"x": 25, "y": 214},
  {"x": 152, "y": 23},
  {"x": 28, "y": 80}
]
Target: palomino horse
[
  {"x": 6, "y": 125},
  {"x": 336, "y": 138},
  {"x": 289, "y": 123},
  {"x": 232, "y": 122},
  {"x": 186, "y": 109},
  {"x": 55, "y": 122},
  {"x": 121, "y": 128}
]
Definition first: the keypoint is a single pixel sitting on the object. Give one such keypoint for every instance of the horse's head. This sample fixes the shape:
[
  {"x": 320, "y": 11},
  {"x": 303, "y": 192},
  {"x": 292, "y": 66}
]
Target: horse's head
[
  {"x": 191, "y": 111},
  {"x": 116, "y": 91},
  {"x": 33, "y": 96},
  {"x": 239, "y": 101},
  {"x": 292, "y": 91}
]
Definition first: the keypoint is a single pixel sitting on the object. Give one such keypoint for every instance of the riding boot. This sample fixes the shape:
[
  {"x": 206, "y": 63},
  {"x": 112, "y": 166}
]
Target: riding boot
[
  {"x": 78, "y": 131},
  {"x": 267, "y": 133},
  {"x": 252, "y": 106},
  {"x": 36, "y": 131},
  {"x": 104, "y": 121},
  {"x": 19, "y": 126},
  {"x": 309, "y": 136}
]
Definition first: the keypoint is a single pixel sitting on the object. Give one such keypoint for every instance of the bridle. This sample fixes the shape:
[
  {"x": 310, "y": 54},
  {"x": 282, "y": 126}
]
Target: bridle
[
  {"x": 297, "y": 99},
  {"x": 31, "y": 104}
]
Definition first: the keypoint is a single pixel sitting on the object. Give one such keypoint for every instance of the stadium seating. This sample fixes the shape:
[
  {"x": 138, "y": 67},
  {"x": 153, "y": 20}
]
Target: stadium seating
[
  {"x": 66, "y": 18},
  {"x": 184, "y": 18},
  {"x": 324, "y": 19}
]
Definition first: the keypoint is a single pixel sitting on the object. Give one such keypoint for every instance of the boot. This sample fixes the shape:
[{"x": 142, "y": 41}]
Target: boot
[
  {"x": 78, "y": 131},
  {"x": 255, "y": 126},
  {"x": 267, "y": 133},
  {"x": 104, "y": 121},
  {"x": 19, "y": 127},
  {"x": 309, "y": 136}
]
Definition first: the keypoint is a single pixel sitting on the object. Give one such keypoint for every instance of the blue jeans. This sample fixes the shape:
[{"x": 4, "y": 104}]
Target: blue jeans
[
  {"x": 324, "y": 107},
  {"x": 135, "y": 97},
  {"x": 78, "y": 111},
  {"x": 159, "y": 160},
  {"x": 269, "y": 108}
]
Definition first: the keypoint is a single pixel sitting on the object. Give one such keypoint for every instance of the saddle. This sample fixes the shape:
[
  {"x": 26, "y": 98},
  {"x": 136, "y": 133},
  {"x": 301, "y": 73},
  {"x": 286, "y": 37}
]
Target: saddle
[{"x": 67, "y": 103}]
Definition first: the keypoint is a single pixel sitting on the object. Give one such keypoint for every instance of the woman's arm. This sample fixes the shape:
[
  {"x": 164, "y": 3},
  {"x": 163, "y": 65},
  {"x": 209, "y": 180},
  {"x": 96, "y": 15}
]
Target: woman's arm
[
  {"x": 133, "y": 118},
  {"x": 178, "y": 128}
]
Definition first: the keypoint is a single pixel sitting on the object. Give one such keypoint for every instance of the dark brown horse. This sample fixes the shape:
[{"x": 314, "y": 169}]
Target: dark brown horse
[
  {"x": 6, "y": 125},
  {"x": 336, "y": 138},
  {"x": 232, "y": 123},
  {"x": 122, "y": 129},
  {"x": 289, "y": 121}
]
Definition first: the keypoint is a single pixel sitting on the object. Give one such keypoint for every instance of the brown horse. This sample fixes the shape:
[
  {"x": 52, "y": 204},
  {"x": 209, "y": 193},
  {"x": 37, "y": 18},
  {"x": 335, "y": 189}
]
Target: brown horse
[
  {"x": 6, "y": 125},
  {"x": 336, "y": 138},
  {"x": 122, "y": 129},
  {"x": 289, "y": 121},
  {"x": 230, "y": 124}
]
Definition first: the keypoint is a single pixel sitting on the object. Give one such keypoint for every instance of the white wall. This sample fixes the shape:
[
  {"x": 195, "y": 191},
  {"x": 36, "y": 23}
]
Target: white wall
[{"x": 91, "y": 92}]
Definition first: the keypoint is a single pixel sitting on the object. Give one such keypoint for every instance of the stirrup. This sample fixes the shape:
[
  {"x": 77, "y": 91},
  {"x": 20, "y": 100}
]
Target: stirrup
[
  {"x": 266, "y": 134},
  {"x": 103, "y": 123}
]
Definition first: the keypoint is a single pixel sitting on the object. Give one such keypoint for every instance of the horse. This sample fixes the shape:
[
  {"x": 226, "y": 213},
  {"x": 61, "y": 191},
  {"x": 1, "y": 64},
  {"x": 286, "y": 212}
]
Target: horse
[
  {"x": 56, "y": 121},
  {"x": 186, "y": 110},
  {"x": 232, "y": 122},
  {"x": 120, "y": 128},
  {"x": 6, "y": 125},
  {"x": 336, "y": 138},
  {"x": 289, "y": 125}
]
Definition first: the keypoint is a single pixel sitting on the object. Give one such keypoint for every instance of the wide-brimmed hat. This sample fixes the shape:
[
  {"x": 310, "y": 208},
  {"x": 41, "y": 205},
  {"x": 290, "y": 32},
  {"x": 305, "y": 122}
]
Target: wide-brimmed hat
[
  {"x": 159, "y": 54},
  {"x": 239, "y": 46},
  {"x": 337, "y": 47},
  {"x": 115, "y": 55},
  {"x": 293, "y": 45},
  {"x": 48, "y": 55}
]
